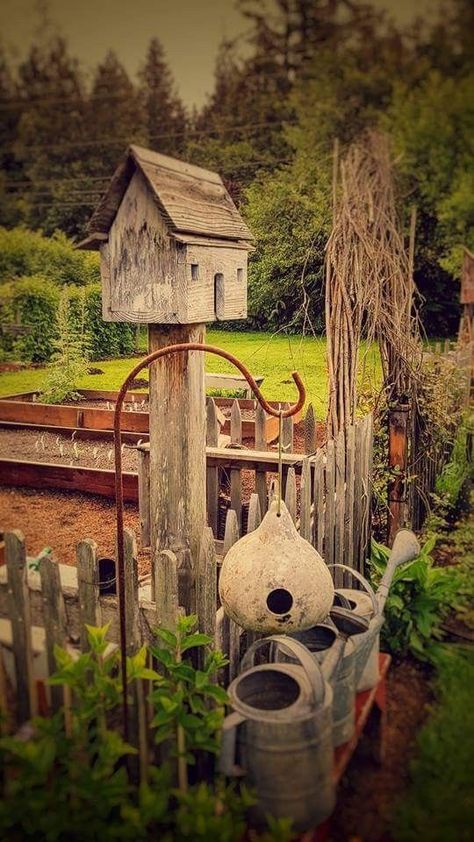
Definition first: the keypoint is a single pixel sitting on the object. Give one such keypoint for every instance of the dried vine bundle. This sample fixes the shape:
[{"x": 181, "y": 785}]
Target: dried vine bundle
[{"x": 369, "y": 286}]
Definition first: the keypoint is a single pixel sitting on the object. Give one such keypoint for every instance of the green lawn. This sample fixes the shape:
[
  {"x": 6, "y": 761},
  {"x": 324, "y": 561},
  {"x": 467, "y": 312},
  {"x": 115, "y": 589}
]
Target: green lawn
[{"x": 273, "y": 357}]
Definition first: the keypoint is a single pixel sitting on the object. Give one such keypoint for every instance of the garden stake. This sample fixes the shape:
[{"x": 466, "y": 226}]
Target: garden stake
[{"x": 162, "y": 352}]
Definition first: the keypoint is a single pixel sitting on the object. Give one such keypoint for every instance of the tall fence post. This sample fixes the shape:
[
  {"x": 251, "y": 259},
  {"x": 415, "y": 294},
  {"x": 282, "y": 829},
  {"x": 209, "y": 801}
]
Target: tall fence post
[{"x": 398, "y": 419}]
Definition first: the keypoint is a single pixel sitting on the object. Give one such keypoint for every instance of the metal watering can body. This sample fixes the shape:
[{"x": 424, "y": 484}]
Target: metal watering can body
[
  {"x": 280, "y": 735},
  {"x": 371, "y": 605},
  {"x": 319, "y": 641}
]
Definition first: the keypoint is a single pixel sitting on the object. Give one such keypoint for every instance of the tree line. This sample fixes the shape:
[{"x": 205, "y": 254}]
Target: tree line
[{"x": 307, "y": 72}]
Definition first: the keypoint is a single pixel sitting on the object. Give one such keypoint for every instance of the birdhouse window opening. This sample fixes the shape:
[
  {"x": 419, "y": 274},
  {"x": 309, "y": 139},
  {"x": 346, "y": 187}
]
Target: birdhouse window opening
[
  {"x": 219, "y": 298},
  {"x": 194, "y": 271},
  {"x": 279, "y": 691},
  {"x": 279, "y": 601},
  {"x": 240, "y": 275}
]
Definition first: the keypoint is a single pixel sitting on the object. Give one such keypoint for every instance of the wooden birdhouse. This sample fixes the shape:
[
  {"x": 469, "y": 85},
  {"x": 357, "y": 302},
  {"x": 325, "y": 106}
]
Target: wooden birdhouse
[{"x": 173, "y": 245}]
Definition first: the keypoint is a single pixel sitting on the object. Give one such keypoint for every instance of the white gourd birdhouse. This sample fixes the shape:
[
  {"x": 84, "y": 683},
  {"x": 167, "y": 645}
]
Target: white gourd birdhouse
[
  {"x": 173, "y": 245},
  {"x": 272, "y": 580}
]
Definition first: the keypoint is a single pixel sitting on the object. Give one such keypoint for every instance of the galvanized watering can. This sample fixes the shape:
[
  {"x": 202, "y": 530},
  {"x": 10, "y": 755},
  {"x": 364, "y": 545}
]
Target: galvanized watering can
[
  {"x": 371, "y": 606},
  {"x": 280, "y": 735},
  {"x": 331, "y": 648}
]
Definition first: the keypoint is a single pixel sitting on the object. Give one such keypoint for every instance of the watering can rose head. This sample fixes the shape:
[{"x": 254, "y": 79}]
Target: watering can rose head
[{"x": 273, "y": 580}]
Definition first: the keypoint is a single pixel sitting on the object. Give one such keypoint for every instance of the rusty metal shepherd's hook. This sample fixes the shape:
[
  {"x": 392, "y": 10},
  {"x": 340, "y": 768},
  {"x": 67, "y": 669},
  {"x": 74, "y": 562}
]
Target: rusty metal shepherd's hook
[{"x": 120, "y": 573}]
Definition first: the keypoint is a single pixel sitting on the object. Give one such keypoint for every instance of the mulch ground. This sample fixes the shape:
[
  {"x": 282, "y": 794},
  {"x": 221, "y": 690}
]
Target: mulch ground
[
  {"x": 369, "y": 791},
  {"x": 60, "y": 520}
]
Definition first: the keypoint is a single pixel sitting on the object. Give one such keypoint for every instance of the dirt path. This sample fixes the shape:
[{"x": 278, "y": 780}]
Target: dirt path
[
  {"x": 59, "y": 520},
  {"x": 369, "y": 792}
]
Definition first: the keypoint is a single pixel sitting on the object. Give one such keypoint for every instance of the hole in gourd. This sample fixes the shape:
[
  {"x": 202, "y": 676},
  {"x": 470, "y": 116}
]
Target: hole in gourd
[
  {"x": 279, "y": 601},
  {"x": 268, "y": 690}
]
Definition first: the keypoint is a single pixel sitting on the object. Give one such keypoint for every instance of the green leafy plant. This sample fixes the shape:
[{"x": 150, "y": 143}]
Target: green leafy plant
[
  {"x": 69, "y": 770},
  {"x": 420, "y": 598},
  {"x": 188, "y": 704},
  {"x": 70, "y": 357},
  {"x": 66, "y": 777},
  {"x": 438, "y": 806}
]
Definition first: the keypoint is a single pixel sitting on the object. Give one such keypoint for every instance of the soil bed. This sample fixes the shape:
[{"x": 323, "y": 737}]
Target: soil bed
[
  {"x": 369, "y": 792},
  {"x": 60, "y": 520}
]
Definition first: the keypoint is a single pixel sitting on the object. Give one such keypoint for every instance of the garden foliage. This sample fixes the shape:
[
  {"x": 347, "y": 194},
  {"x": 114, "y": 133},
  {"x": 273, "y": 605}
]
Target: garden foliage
[
  {"x": 439, "y": 806},
  {"x": 34, "y": 302},
  {"x": 24, "y": 252},
  {"x": 68, "y": 777},
  {"x": 420, "y": 598}
]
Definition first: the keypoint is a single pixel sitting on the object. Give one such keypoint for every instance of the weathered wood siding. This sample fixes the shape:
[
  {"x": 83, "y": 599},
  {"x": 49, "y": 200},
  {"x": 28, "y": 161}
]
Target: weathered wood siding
[
  {"x": 213, "y": 260},
  {"x": 143, "y": 277}
]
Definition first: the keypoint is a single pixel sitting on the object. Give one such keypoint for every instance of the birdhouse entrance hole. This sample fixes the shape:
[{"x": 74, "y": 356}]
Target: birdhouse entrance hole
[
  {"x": 279, "y": 601},
  {"x": 219, "y": 299},
  {"x": 273, "y": 690}
]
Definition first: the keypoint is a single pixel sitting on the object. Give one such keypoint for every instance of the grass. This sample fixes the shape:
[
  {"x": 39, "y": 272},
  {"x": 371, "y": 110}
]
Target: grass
[
  {"x": 273, "y": 357},
  {"x": 439, "y": 806}
]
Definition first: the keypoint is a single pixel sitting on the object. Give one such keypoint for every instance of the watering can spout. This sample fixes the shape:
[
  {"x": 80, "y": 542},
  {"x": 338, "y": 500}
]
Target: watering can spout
[{"x": 405, "y": 548}]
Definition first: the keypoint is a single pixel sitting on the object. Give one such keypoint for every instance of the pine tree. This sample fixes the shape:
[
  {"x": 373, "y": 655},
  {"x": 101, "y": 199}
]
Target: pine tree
[
  {"x": 51, "y": 126},
  {"x": 115, "y": 118},
  {"x": 165, "y": 116},
  {"x": 10, "y": 168}
]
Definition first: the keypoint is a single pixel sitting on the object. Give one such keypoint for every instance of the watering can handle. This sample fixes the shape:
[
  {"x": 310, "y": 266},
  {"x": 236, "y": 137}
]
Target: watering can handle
[
  {"x": 300, "y": 652},
  {"x": 405, "y": 548},
  {"x": 227, "y": 762},
  {"x": 360, "y": 578}
]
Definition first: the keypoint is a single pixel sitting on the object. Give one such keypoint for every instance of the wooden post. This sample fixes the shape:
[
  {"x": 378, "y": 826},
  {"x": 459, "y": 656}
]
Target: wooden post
[
  {"x": 290, "y": 493},
  {"x": 54, "y": 619},
  {"x": 19, "y": 611},
  {"x": 144, "y": 493},
  {"x": 261, "y": 444},
  {"x": 349, "y": 511},
  {"x": 235, "y": 476},
  {"x": 398, "y": 419},
  {"x": 319, "y": 506},
  {"x": 330, "y": 515},
  {"x": 88, "y": 588},
  {"x": 340, "y": 506},
  {"x": 310, "y": 430},
  {"x": 206, "y": 584},
  {"x": 230, "y": 630},
  {"x": 305, "y": 507},
  {"x": 177, "y": 445},
  {"x": 212, "y": 474}
]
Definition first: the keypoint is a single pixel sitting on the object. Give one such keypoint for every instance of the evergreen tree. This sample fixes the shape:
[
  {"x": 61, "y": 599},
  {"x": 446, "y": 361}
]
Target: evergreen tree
[
  {"x": 165, "y": 116},
  {"x": 115, "y": 117},
  {"x": 51, "y": 126},
  {"x": 10, "y": 168}
]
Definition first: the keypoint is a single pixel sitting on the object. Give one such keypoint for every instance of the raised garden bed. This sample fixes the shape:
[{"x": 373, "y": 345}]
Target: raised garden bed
[{"x": 95, "y": 412}]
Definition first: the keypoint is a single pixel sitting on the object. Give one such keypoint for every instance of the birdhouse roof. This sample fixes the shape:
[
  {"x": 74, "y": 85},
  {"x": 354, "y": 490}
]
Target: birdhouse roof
[{"x": 192, "y": 201}]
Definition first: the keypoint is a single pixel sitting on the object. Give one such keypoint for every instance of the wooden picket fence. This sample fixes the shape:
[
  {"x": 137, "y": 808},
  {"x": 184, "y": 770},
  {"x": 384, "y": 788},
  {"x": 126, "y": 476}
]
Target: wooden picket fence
[{"x": 328, "y": 493}]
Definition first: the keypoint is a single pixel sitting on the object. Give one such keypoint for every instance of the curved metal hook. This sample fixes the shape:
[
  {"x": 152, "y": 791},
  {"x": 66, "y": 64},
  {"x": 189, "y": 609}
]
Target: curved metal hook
[{"x": 156, "y": 355}]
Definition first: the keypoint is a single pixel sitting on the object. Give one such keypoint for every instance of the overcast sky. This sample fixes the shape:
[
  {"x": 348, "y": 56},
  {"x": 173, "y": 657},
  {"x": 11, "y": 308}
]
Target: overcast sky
[{"x": 190, "y": 31}]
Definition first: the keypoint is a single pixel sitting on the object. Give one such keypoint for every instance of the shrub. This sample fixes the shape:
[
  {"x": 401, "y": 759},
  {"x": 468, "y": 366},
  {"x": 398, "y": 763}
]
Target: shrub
[
  {"x": 24, "y": 252},
  {"x": 439, "y": 806},
  {"x": 420, "y": 598},
  {"x": 72, "y": 772},
  {"x": 32, "y": 302},
  {"x": 71, "y": 351},
  {"x": 107, "y": 339}
]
